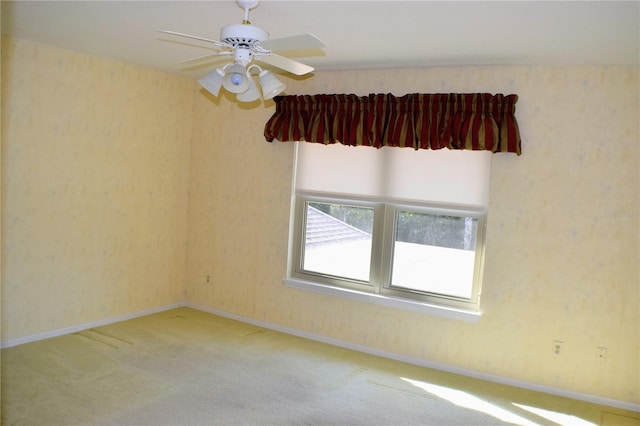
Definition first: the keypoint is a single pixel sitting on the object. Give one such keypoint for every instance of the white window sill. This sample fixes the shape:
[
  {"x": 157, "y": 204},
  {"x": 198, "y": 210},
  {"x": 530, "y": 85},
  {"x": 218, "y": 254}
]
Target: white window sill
[{"x": 394, "y": 302}]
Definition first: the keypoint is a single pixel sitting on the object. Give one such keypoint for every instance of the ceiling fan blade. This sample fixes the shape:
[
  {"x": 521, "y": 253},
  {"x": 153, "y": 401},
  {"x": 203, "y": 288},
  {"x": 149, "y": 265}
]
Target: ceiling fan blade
[
  {"x": 302, "y": 41},
  {"x": 216, "y": 42},
  {"x": 205, "y": 57},
  {"x": 205, "y": 65},
  {"x": 294, "y": 67}
]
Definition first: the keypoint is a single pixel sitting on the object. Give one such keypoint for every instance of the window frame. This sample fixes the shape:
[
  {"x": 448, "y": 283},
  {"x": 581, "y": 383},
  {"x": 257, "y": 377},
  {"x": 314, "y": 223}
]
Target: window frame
[
  {"x": 299, "y": 239},
  {"x": 379, "y": 288}
]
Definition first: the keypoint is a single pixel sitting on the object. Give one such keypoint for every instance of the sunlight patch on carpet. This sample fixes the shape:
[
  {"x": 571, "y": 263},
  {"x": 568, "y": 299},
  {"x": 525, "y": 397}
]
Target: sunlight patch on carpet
[
  {"x": 554, "y": 416},
  {"x": 466, "y": 400}
]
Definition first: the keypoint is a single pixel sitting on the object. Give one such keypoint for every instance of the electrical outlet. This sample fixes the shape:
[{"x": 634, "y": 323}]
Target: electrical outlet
[
  {"x": 601, "y": 353},
  {"x": 558, "y": 346}
]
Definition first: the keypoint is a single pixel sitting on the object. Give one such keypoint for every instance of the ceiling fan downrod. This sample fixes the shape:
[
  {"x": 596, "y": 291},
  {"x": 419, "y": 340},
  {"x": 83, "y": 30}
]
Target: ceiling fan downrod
[{"x": 247, "y": 5}]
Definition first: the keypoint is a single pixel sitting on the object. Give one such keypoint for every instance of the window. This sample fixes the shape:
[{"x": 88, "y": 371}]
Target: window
[
  {"x": 434, "y": 253},
  {"x": 387, "y": 226},
  {"x": 337, "y": 240}
]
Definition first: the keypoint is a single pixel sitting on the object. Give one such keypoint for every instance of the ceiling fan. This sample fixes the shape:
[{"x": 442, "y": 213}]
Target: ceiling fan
[{"x": 246, "y": 43}]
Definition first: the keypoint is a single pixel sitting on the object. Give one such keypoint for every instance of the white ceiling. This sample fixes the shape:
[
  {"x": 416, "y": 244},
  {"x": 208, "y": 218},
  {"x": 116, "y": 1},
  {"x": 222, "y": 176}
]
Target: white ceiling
[{"x": 357, "y": 34}]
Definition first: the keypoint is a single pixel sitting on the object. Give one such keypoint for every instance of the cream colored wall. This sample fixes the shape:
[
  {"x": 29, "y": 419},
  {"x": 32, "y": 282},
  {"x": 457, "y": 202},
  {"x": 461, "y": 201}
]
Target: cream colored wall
[
  {"x": 95, "y": 182},
  {"x": 95, "y": 188},
  {"x": 562, "y": 249}
]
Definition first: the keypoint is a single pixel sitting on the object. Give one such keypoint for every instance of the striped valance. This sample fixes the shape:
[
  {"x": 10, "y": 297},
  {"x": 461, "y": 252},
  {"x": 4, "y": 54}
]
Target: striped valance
[{"x": 474, "y": 121}]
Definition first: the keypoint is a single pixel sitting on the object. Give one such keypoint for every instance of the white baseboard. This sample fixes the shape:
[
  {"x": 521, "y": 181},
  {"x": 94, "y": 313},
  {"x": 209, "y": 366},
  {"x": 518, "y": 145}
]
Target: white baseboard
[
  {"x": 74, "y": 329},
  {"x": 594, "y": 399}
]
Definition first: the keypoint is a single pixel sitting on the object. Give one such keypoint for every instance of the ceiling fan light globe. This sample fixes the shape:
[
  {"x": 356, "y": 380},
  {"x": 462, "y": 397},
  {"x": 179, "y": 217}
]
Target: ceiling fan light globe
[
  {"x": 271, "y": 86},
  {"x": 252, "y": 94},
  {"x": 213, "y": 82},
  {"x": 235, "y": 80}
]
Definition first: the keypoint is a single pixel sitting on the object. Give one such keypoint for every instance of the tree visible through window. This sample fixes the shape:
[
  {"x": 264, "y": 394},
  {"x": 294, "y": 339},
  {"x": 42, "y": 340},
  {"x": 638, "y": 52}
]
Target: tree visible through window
[
  {"x": 361, "y": 218},
  {"x": 436, "y": 230}
]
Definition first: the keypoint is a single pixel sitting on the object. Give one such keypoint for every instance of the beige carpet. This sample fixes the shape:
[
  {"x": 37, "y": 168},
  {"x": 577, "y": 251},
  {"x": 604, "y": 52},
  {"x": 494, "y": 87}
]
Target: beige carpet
[{"x": 186, "y": 367}]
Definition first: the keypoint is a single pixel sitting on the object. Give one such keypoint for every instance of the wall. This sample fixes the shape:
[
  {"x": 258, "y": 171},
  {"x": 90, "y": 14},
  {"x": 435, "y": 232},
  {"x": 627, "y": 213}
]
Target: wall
[
  {"x": 95, "y": 188},
  {"x": 97, "y": 172},
  {"x": 562, "y": 248}
]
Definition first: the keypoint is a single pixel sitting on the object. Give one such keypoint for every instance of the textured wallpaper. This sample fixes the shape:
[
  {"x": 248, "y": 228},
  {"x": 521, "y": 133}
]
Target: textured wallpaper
[
  {"x": 95, "y": 188},
  {"x": 109, "y": 170},
  {"x": 562, "y": 247}
]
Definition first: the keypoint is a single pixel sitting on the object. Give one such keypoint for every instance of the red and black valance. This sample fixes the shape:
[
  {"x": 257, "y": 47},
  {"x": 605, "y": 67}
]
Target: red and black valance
[{"x": 473, "y": 121}]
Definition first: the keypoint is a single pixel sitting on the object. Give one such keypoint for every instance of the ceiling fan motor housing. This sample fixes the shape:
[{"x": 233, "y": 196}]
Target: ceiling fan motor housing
[
  {"x": 243, "y": 35},
  {"x": 245, "y": 39}
]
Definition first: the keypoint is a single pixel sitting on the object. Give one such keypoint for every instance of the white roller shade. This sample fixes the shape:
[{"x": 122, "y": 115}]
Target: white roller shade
[{"x": 443, "y": 176}]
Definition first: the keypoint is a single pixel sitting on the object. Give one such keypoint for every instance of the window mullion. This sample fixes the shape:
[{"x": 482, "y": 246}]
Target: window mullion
[
  {"x": 381, "y": 256},
  {"x": 297, "y": 254}
]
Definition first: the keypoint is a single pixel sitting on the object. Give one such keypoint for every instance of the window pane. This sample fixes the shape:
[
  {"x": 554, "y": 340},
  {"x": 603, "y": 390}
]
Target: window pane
[
  {"x": 338, "y": 240},
  {"x": 434, "y": 253}
]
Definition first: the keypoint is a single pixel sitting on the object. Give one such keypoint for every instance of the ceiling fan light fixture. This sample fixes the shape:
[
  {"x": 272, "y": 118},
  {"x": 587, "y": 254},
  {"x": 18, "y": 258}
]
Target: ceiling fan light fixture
[
  {"x": 245, "y": 43},
  {"x": 271, "y": 86},
  {"x": 235, "y": 79},
  {"x": 213, "y": 82}
]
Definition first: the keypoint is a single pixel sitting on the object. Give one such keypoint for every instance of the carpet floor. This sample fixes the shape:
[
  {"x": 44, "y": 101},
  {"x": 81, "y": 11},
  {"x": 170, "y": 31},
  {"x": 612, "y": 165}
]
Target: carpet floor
[{"x": 187, "y": 367}]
